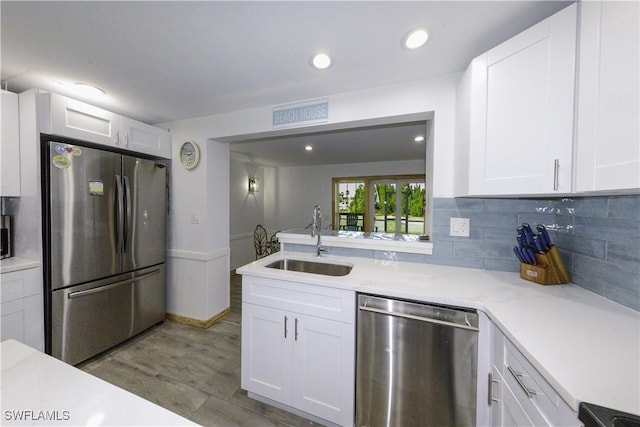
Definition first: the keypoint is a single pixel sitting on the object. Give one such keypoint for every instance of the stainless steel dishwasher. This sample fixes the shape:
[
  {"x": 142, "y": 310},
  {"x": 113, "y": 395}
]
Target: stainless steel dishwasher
[{"x": 416, "y": 364}]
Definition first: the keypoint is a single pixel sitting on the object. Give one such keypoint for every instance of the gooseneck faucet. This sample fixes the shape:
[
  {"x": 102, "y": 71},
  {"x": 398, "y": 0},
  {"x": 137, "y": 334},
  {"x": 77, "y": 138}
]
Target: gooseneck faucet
[{"x": 316, "y": 229}]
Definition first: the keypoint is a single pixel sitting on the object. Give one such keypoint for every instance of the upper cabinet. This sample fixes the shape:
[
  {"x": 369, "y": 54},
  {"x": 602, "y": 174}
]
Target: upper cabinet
[
  {"x": 145, "y": 138},
  {"x": 516, "y": 135},
  {"x": 10, "y": 146},
  {"x": 608, "y": 137},
  {"x": 74, "y": 119}
]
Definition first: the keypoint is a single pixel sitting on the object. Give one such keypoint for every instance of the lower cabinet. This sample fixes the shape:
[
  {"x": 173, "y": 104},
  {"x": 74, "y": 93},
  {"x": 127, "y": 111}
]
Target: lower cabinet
[
  {"x": 519, "y": 395},
  {"x": 298, "y": 347},
  {"x": 22, "y": 307}
]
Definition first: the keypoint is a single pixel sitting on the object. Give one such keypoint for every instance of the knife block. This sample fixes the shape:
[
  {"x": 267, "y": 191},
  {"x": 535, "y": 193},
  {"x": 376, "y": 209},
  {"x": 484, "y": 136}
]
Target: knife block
[{"x": 549, "y": 271}]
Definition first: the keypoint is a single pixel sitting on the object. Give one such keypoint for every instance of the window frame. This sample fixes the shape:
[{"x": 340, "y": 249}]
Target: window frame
[{"x": 368, "y": 202}]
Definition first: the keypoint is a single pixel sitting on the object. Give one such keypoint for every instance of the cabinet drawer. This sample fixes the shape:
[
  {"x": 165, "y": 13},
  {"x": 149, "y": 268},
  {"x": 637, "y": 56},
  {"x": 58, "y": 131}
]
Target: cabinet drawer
[
  {"x": 312, "y": 300},
  {"x": 20, "y": 284},
  {"x": 536, "y": 396}
]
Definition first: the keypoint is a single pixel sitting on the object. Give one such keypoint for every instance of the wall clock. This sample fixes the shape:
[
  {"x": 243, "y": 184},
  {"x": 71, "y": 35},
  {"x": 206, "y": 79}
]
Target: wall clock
[{"x": 189, "y": 155}]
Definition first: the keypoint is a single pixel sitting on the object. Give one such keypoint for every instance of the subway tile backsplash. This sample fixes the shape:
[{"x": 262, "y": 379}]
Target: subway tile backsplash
[{"x": 598, "y": 237}]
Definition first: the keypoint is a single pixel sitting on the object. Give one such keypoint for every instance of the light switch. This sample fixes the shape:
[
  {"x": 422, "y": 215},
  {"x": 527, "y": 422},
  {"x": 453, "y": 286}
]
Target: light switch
[{"x": 195, "y": 217}]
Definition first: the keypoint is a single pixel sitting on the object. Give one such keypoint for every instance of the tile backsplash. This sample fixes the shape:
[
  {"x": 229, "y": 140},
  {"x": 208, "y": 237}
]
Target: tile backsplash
[{"x": 598, "y": 237}]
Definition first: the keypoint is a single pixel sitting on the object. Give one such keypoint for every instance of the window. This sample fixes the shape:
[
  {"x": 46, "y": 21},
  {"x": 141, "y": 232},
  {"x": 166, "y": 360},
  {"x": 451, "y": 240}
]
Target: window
[{"x": 388, "y": 204}]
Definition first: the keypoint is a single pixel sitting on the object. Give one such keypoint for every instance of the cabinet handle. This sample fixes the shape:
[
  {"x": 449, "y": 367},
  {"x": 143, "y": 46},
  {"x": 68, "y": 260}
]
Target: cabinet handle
[
  {"x": 285, "y": 326},
  {"x": 491, "y": 399},
  {"x": 518, "y": 376},
  {"x": 295, "y": 337},
  {"x": 117, "y": 137},
  {"x": 556, "y": 174},
  {"x": 126, "y": 140}
]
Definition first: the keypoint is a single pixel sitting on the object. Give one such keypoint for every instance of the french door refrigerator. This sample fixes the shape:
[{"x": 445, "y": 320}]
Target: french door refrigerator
[{"x": 104, "y": 240}]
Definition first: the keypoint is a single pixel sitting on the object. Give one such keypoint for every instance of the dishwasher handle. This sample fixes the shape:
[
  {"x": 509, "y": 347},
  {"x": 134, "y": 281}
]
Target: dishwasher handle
[{"x": 420, "y": 318}]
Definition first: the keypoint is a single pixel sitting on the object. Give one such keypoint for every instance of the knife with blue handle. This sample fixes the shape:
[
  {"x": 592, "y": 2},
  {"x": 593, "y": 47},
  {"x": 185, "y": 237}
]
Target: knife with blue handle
[
  {"x": 530, "y": 256},
  {"x": 538, "y": 241},
  {"x": 525, "y": 255},
  {"x": 516, "y": 250},
  {"x": 542, "y": 231}
]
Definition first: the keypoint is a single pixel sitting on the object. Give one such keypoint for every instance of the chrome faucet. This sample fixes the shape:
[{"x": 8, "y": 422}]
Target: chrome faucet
[{"x": 316, "y": 229}]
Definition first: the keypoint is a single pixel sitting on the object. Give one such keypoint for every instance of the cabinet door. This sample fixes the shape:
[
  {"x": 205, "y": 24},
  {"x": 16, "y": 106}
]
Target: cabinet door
[
  {"x": 76, "y": 119},
  {"x": 521, "y": 116},
  {"x": 22, "y": 307},
  {"x": 10, "y": 147},
  {"x": 144, "y": 138},
  {"x": 266, "y": 352},
  {"x": 323, "y": 368},
  {"x": 608, "y": 151}
]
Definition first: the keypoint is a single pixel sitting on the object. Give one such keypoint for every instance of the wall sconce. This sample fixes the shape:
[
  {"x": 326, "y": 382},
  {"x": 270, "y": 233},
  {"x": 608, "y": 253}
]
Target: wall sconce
[{"x": 253, "y": 185}]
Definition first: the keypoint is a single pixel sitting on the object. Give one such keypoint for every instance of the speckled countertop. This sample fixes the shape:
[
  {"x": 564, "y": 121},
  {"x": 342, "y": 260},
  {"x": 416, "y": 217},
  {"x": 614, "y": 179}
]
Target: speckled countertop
[{"x": 585, "y": 346}]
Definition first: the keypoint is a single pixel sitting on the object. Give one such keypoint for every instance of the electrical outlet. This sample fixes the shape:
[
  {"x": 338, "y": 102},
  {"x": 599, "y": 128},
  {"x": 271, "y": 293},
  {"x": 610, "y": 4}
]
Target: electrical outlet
[
  {"x": 195, "y": 217},
  {"x": 459, "y": 227}
]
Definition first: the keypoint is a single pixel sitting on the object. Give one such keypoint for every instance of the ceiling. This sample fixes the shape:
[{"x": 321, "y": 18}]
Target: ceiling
[{"x": 171, "y": 60}]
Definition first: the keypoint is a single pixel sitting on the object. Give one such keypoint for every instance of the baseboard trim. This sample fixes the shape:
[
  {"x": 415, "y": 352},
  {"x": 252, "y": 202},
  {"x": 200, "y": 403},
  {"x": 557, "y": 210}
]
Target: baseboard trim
[{"x": 197, "y": 322}]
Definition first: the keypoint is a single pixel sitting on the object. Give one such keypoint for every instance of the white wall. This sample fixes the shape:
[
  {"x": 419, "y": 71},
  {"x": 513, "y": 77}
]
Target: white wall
[
  {"x": 246, "y": 210},
  {"x": 198, "y": 292}
]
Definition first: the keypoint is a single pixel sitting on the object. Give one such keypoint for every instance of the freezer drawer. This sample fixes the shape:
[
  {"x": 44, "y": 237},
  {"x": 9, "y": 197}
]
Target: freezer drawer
[{"x": 91, "y": 318}]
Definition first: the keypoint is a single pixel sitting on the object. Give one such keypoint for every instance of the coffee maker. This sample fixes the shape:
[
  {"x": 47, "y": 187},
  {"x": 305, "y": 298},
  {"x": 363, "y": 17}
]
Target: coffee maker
[{"x": 6, "y": 237}]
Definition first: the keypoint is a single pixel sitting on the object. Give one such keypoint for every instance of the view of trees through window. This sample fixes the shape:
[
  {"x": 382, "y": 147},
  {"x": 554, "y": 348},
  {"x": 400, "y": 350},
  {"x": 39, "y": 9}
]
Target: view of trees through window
[{"x": 390, "y": 204}]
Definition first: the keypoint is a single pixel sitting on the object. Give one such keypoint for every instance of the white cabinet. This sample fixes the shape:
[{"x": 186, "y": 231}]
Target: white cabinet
[
  {"x": 10, "y": 146},
  {"x": 519, "y": 395},
  {"x": 67, "y": 117},
  {"x": 22, "y": 307},
  {"x": 64, "y": 116},
  {"x": 144, "y": 138},
  {"x": 608, "y": 136},
  {"x": 298, "y": 346},
  {"x": 518, "y": 134}
]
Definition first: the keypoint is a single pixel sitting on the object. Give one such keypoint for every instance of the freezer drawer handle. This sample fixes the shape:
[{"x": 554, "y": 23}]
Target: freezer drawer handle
[
  {"x": 422, "y": 319},
  {"x": 518, "y": 376},
  {"x": 91, "y": 291}
]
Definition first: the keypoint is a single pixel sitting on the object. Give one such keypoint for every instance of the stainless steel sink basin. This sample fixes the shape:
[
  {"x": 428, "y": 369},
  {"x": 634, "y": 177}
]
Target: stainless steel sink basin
[{"x": 311, "y": 267}]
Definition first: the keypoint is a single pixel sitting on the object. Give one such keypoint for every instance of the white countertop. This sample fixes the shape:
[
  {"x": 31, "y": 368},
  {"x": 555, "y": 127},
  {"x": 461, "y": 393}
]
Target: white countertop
[
  {"x": 585, "y": 346},
  {"x": 8, "y": 265},
  {"x": 47, "y": 392},
  {"x": 359, "y": 240}
]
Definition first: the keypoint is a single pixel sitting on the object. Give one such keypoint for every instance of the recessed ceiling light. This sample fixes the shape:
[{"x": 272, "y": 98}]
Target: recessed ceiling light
[
  {"x": 88, "y": 90},
  {"x": 321, "y": 61},
  {"x": 415, "y": 38},
  {"x": 418, "y": 138},
  {"x": 308, "y": 148}
]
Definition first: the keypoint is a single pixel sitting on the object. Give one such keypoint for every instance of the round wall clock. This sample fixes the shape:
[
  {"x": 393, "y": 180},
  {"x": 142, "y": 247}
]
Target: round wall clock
[{"x": 189, "y": 155}]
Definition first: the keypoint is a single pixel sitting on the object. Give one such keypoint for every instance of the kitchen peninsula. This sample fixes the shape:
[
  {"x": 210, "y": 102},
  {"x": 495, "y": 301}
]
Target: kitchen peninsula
[
  {"x": 38, "y": 389},
  {"x": 584, "y": 347}
]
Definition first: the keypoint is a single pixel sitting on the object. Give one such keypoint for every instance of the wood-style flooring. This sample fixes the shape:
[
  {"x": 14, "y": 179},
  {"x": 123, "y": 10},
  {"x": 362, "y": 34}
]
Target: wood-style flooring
[{"x": 191, "y": 371}]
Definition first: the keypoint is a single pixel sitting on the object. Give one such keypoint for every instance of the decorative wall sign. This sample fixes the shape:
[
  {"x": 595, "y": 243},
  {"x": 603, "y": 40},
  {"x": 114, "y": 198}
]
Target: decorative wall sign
[{"x": 302, "y": 113}]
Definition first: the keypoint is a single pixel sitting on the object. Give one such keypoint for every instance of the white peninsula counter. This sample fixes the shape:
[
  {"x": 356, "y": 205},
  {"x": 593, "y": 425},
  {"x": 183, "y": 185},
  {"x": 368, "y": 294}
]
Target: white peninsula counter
[{"x": 39, "y": 390}]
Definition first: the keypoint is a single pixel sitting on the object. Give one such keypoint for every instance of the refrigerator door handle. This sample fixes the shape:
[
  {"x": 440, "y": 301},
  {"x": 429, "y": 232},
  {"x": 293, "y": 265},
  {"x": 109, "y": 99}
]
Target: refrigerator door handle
[
  {"x": 119, "y": 215},
  {"x": 127, "y": 217},
  {"x": 78, "y": 294}
]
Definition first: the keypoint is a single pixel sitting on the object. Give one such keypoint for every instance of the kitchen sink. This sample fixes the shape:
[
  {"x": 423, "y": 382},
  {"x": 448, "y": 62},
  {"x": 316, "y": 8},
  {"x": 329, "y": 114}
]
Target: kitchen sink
[{"x": 313, "y": 267}]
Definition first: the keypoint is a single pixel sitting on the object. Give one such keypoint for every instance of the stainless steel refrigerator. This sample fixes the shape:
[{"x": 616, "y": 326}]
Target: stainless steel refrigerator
[{"x": 104, "y": 238}]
